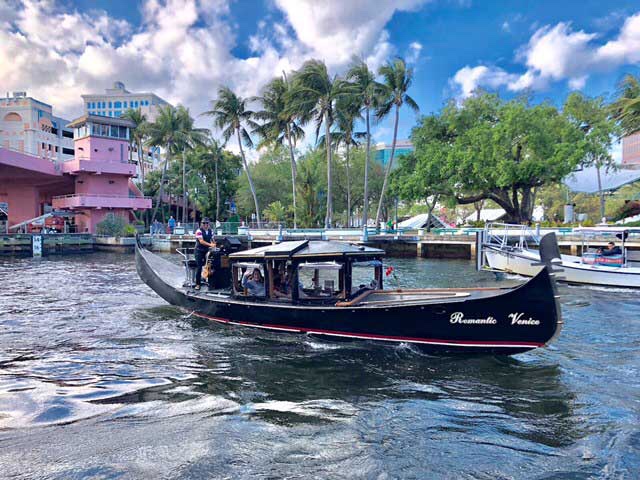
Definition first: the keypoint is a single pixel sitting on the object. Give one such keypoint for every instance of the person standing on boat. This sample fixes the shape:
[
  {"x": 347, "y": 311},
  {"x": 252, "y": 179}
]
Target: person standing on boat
[
  {"x": 204, "y": 241},
  {"x": 172, "y": 224}
]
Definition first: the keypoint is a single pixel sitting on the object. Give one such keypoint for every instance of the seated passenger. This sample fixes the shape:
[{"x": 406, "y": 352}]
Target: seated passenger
[
  {"x": 280, "y": 287},
  {"x": 254, "y": 283},
  {"x": 611, "y": 250}
]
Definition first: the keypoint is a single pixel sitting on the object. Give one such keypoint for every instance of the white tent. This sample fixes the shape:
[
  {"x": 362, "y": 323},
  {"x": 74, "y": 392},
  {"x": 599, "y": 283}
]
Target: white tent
[{"x": 586, "y": 181}]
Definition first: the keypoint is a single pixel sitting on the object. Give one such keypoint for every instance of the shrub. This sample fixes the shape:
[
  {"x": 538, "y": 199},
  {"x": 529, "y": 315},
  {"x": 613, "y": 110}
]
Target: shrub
[
  {"x": 129, "y": 231},
  {"x": 112, "y": 226}
]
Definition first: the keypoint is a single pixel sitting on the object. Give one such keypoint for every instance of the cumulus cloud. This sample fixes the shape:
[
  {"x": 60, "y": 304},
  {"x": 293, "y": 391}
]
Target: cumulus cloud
[
  {"x": 182, "y": 50},
  {"x": 469, "y": 79},
  {"x": 554, "y": 54},
  {"x": 335, "y": 30},
  {"x": 414, "y": 52}
]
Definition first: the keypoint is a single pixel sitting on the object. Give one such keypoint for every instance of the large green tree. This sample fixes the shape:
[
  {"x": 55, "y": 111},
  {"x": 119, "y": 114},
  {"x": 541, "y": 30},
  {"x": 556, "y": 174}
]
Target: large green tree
[
  {"x": 231, "y": 115},
  {"x": 271, "y": 175},
  {"x": 485, "y": 148},
  {"x": 397, "y": 81}
]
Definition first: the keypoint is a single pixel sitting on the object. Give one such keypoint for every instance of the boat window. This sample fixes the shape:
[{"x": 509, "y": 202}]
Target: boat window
[
  {"x": 281, "y": 279},
  {"x": 366, "y": 275},
  {"x": 248, "y": 279},
  {"x": 321, "y": 281}
]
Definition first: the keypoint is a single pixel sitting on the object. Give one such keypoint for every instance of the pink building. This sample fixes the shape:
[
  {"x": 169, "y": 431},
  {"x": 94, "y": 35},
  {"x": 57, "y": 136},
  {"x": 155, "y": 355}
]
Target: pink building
[
  {"x": 97, "y": 181},
  {"x": 631, "y": 149}
]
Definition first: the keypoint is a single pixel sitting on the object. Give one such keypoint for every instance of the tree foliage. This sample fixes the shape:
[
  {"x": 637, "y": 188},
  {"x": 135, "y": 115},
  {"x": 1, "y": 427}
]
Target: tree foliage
[{"x": 486, "y": 148}]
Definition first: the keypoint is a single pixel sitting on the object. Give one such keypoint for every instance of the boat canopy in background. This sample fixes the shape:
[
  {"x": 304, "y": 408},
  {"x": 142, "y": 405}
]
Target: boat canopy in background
[{"x": 586, "y": 181}]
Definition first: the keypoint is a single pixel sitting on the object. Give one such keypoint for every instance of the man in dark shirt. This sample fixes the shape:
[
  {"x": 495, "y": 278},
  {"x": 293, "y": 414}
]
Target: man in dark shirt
[
  {"x": 204, "y": 241},
  {"x": 611, "y": 250}
]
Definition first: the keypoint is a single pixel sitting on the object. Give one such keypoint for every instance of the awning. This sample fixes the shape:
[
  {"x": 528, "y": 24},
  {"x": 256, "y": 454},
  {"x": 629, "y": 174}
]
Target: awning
[
  {"x": 41, "y": 219},
  {"x": 586, "y": 181}
]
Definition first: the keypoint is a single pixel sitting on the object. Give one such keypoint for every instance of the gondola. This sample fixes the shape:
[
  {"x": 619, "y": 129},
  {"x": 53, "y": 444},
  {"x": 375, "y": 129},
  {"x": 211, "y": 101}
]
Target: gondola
[{"x": 336, "y": 291}]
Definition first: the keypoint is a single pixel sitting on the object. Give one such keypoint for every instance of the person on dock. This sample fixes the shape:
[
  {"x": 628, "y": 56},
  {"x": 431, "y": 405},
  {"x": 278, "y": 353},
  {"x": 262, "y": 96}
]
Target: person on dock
[
  {"x": 204, "y": 241},
  {"x": 611, "y": 250},
  {"x": 172, "y": 224}
]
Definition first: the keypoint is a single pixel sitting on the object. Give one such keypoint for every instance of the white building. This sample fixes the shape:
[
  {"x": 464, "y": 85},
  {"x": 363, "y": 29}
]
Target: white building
[
  {"x": 117, "y": 100},
  {"x": 28, "y": 125}
]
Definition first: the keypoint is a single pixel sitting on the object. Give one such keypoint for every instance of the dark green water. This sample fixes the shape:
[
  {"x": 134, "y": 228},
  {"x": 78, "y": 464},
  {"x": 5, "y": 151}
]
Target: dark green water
[{"x": 99, "y": 378}]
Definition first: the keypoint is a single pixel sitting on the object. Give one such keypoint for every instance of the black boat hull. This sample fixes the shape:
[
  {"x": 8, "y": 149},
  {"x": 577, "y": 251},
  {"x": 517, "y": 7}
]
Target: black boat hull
[{"x": 513, "y": 320}]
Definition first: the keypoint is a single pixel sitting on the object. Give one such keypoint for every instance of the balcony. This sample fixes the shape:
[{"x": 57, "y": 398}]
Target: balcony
[
  {"x": 101, "y": 201},
  {"x": 79, "y": 165}
]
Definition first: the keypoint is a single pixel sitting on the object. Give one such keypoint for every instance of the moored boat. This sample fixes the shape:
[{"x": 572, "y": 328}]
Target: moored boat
[
  {"x": 335, "y": 290},
  {"x": 591, "y": 268}
]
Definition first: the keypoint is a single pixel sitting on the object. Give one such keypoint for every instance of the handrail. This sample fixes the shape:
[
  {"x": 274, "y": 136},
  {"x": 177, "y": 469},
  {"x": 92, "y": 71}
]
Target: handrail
[{"x": 97, "y": 195}]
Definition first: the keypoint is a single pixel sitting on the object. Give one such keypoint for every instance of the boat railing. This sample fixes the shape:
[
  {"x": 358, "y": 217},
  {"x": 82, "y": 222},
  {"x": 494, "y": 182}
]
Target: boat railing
[
  {"x": 500, "y": 235},
  {"x": 189, "y": 262}
]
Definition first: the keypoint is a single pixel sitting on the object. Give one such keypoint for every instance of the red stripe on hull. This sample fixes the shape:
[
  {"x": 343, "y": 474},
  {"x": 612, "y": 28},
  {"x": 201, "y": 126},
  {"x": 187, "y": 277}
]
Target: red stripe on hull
[{"x": 373, "y": 336}]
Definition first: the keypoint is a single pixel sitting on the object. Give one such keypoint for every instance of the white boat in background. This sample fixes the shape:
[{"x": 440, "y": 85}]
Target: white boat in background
[{"x": 510, "y": 248}]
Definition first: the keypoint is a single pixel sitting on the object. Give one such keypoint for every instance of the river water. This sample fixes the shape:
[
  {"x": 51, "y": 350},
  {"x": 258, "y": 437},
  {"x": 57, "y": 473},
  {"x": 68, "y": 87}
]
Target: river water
[{"x": 100, "y": 378}]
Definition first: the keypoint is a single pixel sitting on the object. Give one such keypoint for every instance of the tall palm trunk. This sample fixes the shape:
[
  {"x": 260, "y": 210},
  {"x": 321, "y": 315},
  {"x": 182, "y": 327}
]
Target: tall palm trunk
[
  {"x": 161, "y": 189},
  {"x": 217, "y": 191},
  {"x": 600, "y": 192},
  {"x": 294, "y": 174},
  {"x": 365, "y": 200},
  {"x": 348, "y": 185},
  {"x": 388, "y": 169},
  {"x": 141, "y": 163},
  {"x": 328, "y": 219},
  {"x": 184, "y": 189},
  {"x": 246, "y": 168}
]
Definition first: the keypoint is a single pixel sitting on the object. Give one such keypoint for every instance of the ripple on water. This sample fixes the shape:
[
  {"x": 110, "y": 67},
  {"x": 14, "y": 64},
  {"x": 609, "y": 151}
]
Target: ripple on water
[{"x": 101, "y": 378}]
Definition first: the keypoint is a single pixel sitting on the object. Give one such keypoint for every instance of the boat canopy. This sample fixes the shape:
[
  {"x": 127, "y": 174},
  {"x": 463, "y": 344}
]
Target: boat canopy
[
  {"x": 309, "y": 250},
  {"x": 605, "y": 230}
]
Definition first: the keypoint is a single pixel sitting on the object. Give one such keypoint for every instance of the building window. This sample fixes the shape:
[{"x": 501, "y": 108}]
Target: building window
[
  {"x": 124, "y": 104},
  {"x": 117, "y": 113},
  {"x": 117, "y": 105},
  {"x": 110, "y": 105},
  {"x": 67, "y": 151}
]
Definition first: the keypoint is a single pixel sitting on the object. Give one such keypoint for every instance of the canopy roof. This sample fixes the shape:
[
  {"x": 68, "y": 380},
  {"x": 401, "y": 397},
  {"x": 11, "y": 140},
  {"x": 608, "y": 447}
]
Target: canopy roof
[
  {"x": 306, "y": 249},
  {"x": 586, "y": 180}
]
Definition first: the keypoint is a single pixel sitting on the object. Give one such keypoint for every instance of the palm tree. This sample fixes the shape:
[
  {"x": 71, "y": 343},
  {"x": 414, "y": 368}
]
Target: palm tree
[
  {"x": 230, "y": 114},
  {"x": 397, "y": 80},
  {"x": 280, "y": 124},
  {"x": 347, "y": 112},
  {"x": 194, "y": 136},
  {"x": 626, "y": 109},
  {"x": 313, "y": 96},
  {"x": 173, "y": 130},
  {"x": 368, "y": 93},
  {"x": 214, "y": 154},
  {"x": 138, "y": 135}
]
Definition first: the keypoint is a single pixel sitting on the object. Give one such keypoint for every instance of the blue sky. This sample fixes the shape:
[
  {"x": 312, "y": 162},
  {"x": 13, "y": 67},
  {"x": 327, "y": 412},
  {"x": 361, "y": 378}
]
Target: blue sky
[{"x": 185, "y": 49}]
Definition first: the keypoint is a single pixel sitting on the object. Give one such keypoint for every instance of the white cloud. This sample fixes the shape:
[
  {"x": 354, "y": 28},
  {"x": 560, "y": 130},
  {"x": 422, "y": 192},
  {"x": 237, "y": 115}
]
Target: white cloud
[
  {"x": 415, "y": 48},
  {"x": 182, "y": 50},
  {"x": 468, "y": 79},
  {"x": 555, "y": 54},
  {"x": 335, "y": 30}
]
